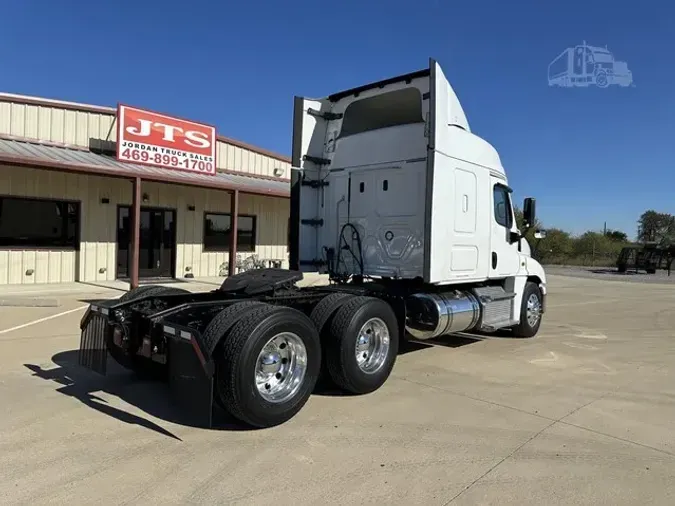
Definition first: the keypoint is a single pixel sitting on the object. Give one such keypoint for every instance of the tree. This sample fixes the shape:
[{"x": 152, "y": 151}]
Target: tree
[
  {"x": 616, "y": 235},
  {"x": 594, "y": 248},
  {"x": 557, "y": 246},
  {"x": 656, "y": 227}
]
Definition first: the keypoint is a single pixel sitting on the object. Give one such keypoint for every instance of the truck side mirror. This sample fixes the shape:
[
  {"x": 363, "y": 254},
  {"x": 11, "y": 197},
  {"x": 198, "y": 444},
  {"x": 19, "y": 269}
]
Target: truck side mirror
[{"x": 529, "y": 212}]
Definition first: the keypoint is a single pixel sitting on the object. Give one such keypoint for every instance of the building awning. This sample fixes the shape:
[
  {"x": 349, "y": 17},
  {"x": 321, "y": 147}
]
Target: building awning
[{"x": 26, "y": 153}]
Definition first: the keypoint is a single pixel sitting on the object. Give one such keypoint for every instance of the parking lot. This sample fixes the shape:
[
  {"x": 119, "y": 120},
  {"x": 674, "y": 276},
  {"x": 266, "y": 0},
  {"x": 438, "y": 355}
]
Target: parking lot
[{"x": 584, "y": 413}]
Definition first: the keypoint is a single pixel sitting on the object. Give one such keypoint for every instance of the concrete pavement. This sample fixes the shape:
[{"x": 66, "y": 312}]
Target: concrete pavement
[{"x": 581, "y": 414}]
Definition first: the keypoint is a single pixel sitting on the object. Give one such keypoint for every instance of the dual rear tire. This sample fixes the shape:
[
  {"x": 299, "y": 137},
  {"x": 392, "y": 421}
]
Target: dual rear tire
[
  {"x": 268, "y": 358},
  {"x": 267, "y": 363},
  {"x": 360, "y": 339}
]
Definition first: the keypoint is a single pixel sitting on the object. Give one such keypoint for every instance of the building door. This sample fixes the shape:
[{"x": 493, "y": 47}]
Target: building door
[{"x": 157, "y": 250}]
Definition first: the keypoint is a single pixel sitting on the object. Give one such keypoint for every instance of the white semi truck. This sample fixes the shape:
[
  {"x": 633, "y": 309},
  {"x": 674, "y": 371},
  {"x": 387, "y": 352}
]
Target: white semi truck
[{"x": 407, "y": 211}]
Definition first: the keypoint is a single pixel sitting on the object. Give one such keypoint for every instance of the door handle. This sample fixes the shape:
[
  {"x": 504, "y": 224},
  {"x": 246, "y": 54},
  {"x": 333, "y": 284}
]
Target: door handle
[{"x": 494, "y": 260}]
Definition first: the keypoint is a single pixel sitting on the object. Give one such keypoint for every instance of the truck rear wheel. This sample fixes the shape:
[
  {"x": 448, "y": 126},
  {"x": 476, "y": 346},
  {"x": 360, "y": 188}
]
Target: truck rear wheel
[
  {"x": 219, "y": 328},
  {"x": 362, "y": 345},
  {"x": 530, "y": 311},
  {"x": 326, "y": 308},
  {"x": 150, "y": 291},
  {"x": 268, "y": 365},
  {"x": 322, "y": 315}
]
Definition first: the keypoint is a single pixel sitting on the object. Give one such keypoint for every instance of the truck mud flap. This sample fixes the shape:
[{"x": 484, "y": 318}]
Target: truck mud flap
[
  {"x": 93, "y": 353},
  {"x": 190, "y": 382}
]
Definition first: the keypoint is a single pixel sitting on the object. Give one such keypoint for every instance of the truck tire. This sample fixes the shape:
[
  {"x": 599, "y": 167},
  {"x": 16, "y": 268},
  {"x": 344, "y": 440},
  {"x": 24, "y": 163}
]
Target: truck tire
[
  {"x": 217, "y": 330},
  {"x": 268, "y": 366},
  {"x": 141, "y": 366},
  {"x": 530, "y": 312},
  {"x": 223, "y": 322},
  {"x": 150, "y": 290},
  {"x": 362, "y": 345},
  {"x": 321, "y": 315},
  {"x": 326, "y": 308}
]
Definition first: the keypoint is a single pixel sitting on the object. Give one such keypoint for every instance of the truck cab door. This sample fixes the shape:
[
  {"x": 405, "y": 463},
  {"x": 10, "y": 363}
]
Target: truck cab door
[
  {"x": 504, "y": 256},
  {"x": 309, "y": 179}
]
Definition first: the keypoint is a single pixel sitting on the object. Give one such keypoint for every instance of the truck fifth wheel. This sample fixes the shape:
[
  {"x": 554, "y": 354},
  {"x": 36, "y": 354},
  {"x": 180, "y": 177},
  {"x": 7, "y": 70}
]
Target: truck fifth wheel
[{"x": 406, "y": 210}]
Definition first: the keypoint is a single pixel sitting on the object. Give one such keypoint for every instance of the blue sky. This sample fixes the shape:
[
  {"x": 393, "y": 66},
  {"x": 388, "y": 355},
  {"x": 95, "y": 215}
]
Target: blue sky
[{"x": 589, "y": 155}]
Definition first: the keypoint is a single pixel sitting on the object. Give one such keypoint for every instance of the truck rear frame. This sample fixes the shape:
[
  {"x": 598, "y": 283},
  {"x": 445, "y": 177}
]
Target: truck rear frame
[{"x": 205, "y": 344}]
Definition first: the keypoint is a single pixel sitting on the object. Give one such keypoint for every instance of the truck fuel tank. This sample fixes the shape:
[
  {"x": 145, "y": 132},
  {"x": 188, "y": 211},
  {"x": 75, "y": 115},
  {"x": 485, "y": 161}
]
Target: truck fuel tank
[{"x": 429, "y": 315}]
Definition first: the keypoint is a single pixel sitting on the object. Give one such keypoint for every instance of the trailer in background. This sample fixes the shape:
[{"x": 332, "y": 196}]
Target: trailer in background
[{"x": 648, "y": 257}]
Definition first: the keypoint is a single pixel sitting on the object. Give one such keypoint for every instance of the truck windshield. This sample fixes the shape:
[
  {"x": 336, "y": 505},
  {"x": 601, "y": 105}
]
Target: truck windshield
[{"x": 602, "y": 56}]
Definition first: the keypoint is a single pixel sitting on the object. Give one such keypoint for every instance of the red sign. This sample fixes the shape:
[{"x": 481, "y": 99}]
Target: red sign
[{"x": 150, "y": 138}]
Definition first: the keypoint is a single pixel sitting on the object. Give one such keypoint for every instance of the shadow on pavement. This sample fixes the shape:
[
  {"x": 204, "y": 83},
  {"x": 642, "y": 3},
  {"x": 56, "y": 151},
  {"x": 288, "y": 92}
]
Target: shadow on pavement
[
  {"x": 153, "y": 397},
  {"x": 150, "y": 397},
  {"x": 614, "y": 271},
  {"x": 325, "y": 386}
]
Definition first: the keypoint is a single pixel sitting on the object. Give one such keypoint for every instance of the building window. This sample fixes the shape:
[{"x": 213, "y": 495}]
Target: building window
[
  {"x": 217, "y": 232},
  {"x": 502, "y": 204},
  {"x": 38, "y": 223}
]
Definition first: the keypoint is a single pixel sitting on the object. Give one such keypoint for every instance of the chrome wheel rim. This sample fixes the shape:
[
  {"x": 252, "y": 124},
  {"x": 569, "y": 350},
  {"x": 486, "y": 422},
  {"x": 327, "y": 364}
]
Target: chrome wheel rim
[
  {"x": 281, "y": 367},
  {"x": 533, "y": 309},
  {"x": 372, "y": 345}
]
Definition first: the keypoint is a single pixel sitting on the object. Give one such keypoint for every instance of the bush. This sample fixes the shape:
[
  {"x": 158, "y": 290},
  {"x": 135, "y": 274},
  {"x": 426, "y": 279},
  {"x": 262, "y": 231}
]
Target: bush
[{"x": 589, "y": 249}]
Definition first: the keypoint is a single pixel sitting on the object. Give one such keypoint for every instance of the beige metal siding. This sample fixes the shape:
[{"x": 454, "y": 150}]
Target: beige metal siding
[
  {"x": 67, "y": 126},
  {"x": 98, "y": 233},
  {"x": 54, "y": 125},
  {"x": 235, "y": 158}
]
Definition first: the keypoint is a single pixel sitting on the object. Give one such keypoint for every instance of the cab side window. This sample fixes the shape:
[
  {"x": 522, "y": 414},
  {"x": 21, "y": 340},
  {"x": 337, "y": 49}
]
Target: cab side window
[{"x": 502, "y": 204}]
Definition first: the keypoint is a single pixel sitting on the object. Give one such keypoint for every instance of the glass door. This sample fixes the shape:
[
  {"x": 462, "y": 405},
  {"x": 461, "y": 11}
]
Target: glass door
[{"x": 157, "y": 243}]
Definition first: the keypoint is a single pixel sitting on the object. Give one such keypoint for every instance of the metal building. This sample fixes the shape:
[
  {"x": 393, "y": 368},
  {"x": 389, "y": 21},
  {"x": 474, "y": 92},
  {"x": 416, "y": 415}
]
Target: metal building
[{"x": 66, "y": 202}]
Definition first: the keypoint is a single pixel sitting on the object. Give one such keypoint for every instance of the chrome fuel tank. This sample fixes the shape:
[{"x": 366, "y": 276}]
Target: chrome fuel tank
[{"x": 430, "y": 315}]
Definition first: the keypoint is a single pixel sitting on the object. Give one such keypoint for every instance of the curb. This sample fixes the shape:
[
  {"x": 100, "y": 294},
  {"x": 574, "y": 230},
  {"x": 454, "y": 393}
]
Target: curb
[{"x": 29, "y": 302}]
